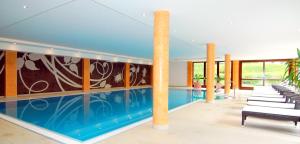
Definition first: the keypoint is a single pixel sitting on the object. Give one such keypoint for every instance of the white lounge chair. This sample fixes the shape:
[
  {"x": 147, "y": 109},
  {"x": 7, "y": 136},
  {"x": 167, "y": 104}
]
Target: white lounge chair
[
  {"x": 264, "y": 95},
  {"x": 271, "y": 104},
  {"x": 271, "y": 113},
  {"x": 267, "y": 99}
]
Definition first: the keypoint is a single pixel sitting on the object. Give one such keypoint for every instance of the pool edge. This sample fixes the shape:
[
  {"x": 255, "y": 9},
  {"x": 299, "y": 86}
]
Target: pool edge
[
  {"x": 128, "y": 127},
  {"x": 66, "y": 139},
  {"x": 40, "y": 131}
]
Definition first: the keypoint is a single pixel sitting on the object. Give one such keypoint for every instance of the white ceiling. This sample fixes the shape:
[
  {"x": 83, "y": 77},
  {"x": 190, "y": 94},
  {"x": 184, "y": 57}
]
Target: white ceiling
[{"x": 247, "y": 29}]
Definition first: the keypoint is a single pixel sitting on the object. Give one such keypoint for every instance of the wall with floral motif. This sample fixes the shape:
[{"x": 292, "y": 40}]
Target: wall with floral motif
[
  {"x": 39, "y": 73},
  {"x": 44, "y": 73},
  {"x": 140, "y": 75},
  {"x": 106, "y": 74},
  {"x": 2, "y": 73}
]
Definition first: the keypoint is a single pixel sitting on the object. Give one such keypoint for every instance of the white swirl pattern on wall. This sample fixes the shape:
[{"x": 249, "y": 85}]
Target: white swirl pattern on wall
[
  {"x": 28, "y": 61},
  {"x": 104, "y": 70},
  {"x": 135, "y": 71},
  {"x": 64, "y": 71}
]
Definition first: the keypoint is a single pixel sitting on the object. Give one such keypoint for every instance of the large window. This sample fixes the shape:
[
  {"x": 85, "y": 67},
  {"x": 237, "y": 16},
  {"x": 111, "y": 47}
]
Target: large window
[
  {"x": 261, "y": 73},
  {"x": 199, "y": 72},
  {"x": 221, "y": 75},
  {"x": 274, "y": 72},
  {"x": 200, "y": 68},
  {"x": 252, "y": 74}
]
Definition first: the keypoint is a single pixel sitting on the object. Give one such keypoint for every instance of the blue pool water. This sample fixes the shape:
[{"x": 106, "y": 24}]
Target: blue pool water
[{"x": 83, "y": 117}]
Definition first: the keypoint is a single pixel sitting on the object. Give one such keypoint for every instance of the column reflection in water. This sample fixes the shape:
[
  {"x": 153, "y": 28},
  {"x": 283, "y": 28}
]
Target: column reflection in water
[
  {"x": 198, "y": 94},
  {"x": 11, "y": 108},
  {"x": 86, "y": 107},
  {"x": 189, "y": 96}
]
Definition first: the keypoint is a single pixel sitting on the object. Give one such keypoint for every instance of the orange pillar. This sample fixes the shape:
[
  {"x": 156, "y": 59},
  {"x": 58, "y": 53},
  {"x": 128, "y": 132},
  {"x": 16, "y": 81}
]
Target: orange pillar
[
  {"x": 210, "y": 71},
  {"x": 86, "y": 75},
  {"x": 227, "y": 74},
  {"x": 190, "y": 74},
  {"x": 127, "y": 76},
  {"x": 160, "y": 69},
  {"x": 235, "y": 74},
  {"x": 11, "y": 73}
]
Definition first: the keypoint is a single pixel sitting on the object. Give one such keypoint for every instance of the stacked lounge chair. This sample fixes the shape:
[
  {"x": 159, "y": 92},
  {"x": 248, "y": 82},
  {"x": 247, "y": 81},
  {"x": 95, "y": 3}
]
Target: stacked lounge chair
[{"x": 277, "y": 102}]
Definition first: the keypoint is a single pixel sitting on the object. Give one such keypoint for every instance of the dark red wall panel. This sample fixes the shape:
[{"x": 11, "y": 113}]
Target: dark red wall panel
[
  {"x": 140, "y": 74},
  {"x": 43, "y": 73},
  {"x": 106, "y": 74},
  {"x": 2, "y": 73}
]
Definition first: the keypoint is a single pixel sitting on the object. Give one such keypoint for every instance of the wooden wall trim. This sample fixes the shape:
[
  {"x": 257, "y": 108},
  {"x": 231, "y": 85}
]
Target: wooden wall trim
[
  {"x": 127, "y": 76},
  {"x": 86, "y": 76},
  {"x": 10, "y": 73},
  {"x": 190, "y": 71}
]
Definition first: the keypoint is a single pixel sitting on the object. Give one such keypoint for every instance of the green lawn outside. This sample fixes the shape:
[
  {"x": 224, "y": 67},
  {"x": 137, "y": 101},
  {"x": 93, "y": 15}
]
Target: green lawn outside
[{"x": 253, "y": 70}]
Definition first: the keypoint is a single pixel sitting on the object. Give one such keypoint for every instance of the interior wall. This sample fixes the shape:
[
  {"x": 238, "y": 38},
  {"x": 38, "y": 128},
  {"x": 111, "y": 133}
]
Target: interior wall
[
  {"x": 44, "y": 73},
  {"x": 106, "y": 74},
  {"x": 2, "y": 73},
  {"x": 140, "y": 75},
  {"x": 178, "y": 74},
  {"x": 39, "y": 73}
]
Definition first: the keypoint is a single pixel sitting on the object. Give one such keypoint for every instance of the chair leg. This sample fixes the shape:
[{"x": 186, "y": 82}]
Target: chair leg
[
  {"x": 243, "y": 119},
  {"x": 295, "y": 123}
]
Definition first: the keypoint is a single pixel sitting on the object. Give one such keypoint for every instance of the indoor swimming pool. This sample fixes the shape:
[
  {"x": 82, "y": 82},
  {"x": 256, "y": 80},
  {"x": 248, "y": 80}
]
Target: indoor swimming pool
[{"x": 84, "y": 117}]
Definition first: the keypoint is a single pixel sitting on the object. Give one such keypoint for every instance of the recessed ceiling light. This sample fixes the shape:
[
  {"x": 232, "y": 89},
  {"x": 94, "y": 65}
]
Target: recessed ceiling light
[
  {"x": 144, "y": 14},
  {"x": 77, "y": 54},
  {"x": 115, "y": 59},
  {"x": 98, "y": 57},
  {"x": 13, "y": 47},
  {"x": 193, "y": 40},
  {"x": 25, "y": 6},
  {"x": 49, "y": 51}
]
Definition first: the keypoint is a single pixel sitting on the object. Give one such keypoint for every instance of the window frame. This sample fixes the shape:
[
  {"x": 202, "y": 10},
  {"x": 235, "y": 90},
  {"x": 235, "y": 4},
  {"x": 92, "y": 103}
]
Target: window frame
[
  {"x": 264, "y": 79},
  {"x": 217, "y": 70}
]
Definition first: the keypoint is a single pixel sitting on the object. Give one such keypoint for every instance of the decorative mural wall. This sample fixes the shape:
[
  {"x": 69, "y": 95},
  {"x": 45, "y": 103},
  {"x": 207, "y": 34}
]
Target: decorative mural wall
[
  {"x": 2, "y": 73},
  {"x": 106, "y": 74},
  {"x": 39, "y": 73},
  {"x": 44, "y": 73},
  {"x": 140, "y": 74}
]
